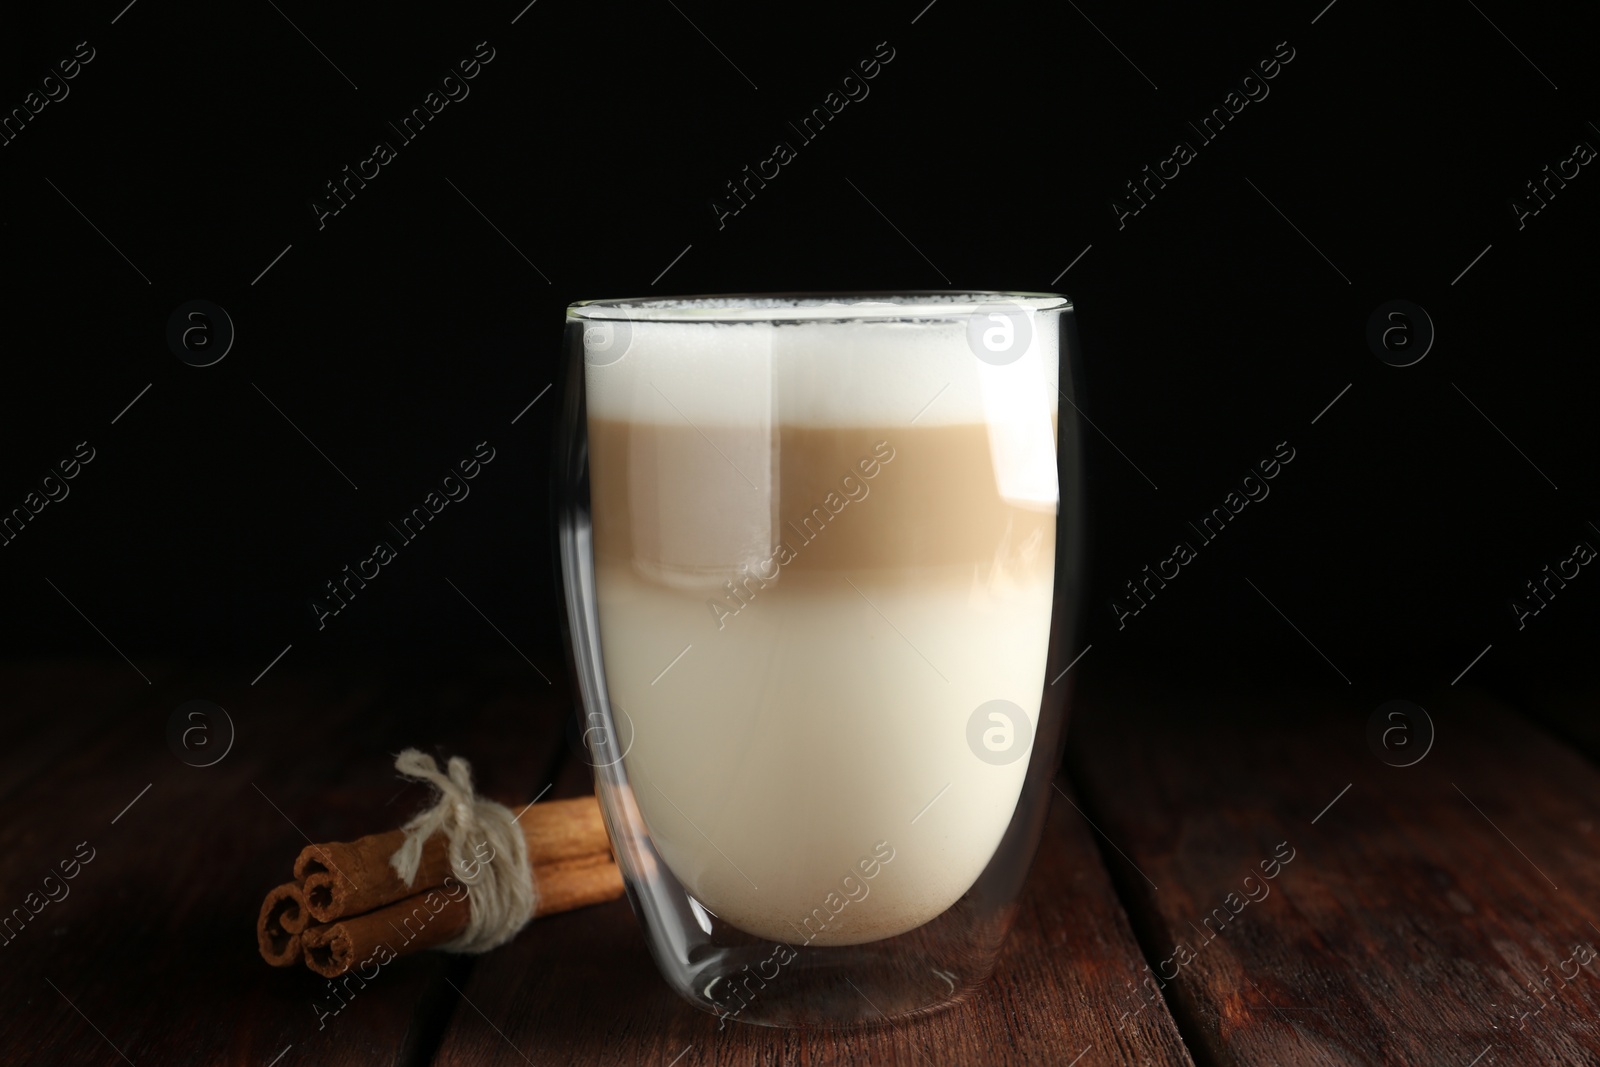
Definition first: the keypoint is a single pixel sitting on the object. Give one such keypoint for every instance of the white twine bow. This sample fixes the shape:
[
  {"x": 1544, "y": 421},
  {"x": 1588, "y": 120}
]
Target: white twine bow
[{"x": 501, "y": 893}]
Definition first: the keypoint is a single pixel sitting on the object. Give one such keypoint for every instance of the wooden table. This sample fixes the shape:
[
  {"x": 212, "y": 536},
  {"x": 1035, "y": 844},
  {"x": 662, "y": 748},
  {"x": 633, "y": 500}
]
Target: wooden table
[{"x": 1428, "y": 914}]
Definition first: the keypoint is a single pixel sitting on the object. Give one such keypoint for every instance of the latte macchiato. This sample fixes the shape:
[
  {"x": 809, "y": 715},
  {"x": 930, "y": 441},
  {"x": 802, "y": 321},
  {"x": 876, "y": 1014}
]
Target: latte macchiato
[{"x": 820, "y": 549}]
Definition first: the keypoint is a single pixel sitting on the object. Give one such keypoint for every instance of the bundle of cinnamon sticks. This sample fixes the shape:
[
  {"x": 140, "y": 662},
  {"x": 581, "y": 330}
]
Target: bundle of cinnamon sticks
[{"x": 347, "y": 904}]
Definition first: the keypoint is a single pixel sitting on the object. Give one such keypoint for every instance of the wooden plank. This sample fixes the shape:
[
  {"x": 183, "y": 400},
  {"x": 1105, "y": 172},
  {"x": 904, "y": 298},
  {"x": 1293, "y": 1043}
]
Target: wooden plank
[
  {"x": 581, "y": 989},
  {"x": 151, "y": 954},
  {"x": 57, "y": 705},
  {"x": 1426, "y": 910}
]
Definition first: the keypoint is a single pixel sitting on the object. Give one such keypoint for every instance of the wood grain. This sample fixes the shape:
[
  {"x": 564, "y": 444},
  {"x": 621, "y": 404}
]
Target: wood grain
[
  {"x": 581, "y": 989},
  {"x": 151, "y": 953},
  {"x": 1423, "y": 918},
  {"x": 1417, "y": 908}
]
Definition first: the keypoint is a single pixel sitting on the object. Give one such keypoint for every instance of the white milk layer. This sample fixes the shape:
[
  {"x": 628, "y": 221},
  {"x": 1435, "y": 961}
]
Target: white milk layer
[{"x": 773, "y": 755}]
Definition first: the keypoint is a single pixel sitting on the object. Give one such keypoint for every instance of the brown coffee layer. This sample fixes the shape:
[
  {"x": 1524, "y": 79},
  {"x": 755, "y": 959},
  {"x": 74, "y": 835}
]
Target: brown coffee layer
[{"x": 829, "y": 498}]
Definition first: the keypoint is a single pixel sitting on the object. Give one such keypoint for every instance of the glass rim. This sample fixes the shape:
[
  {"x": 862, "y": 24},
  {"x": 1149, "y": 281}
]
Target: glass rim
[{"x": 899, "y": 305}]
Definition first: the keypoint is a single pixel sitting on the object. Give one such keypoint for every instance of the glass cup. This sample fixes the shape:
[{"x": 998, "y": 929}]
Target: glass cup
[{"x": 821, "y": 588}]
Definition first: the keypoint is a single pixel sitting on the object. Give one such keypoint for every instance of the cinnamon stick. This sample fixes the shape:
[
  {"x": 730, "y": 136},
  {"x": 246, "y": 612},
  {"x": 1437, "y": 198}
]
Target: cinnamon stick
[
  {"x": 576, "y": 883},
  {"x": 278, "y": 930},
  {"x": 424, "y": 921},
  {"x": 350, "y": 877},
  {"x": 435, "y": 917}
]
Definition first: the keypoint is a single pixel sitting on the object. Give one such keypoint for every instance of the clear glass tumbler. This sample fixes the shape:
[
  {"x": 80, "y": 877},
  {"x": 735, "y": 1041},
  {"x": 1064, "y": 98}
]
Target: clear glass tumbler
[{"x": 820, "y": 556}]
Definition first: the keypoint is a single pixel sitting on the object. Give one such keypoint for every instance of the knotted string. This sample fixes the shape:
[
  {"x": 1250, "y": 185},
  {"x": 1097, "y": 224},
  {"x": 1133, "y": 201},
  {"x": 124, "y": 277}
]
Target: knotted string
[{"x": 501, "y": 893}]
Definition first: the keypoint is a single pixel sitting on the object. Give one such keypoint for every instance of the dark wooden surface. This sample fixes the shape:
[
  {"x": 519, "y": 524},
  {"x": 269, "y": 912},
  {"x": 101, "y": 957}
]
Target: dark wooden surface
[
  {"x": 1407, "y": 928},
  {"x": 148, "y": 954},
  {"x": 1418, "y": 908}
]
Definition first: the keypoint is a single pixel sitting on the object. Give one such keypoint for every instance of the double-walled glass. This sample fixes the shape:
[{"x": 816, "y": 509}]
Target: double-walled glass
[{"x": 820, "y": 557}]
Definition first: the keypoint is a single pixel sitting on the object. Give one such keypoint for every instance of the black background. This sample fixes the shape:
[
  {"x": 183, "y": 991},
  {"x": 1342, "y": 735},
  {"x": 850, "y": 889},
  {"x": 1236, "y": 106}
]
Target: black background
[{"x": 414, "y": 324}]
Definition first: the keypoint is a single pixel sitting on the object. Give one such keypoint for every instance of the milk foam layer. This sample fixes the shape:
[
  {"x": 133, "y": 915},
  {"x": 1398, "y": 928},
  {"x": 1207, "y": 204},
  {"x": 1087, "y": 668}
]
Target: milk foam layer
[{"x": 744, "y": 373}]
